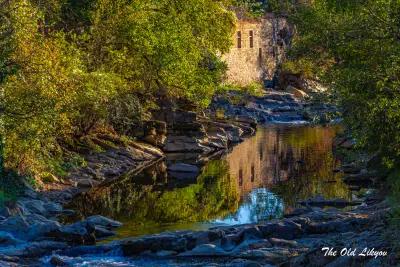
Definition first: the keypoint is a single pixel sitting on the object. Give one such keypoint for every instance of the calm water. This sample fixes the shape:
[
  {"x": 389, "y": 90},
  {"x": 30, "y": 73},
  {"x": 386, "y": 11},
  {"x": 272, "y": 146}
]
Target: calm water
[{"x": 259, "y": 179}]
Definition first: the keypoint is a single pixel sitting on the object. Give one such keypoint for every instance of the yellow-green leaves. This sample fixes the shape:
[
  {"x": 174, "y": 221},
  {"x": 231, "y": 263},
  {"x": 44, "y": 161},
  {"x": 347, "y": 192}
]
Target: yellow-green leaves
[
  {"x": 355, "y": 45},
  {"x": 65, "y": 64}
]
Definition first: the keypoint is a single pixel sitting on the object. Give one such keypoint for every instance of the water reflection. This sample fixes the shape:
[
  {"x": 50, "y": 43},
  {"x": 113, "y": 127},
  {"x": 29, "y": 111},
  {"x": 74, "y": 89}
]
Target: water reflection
[
  {"x": 259, "y": 179},
  {"x": 145, "y": 199},
  {"x": 259, "y": 205},
  {"x": 293, "y": 162}
]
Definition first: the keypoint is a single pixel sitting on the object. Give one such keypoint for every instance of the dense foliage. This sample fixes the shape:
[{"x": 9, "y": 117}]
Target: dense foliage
[
  {"x": 68, "y": 67},
  {"x": 354, "y": 47}
]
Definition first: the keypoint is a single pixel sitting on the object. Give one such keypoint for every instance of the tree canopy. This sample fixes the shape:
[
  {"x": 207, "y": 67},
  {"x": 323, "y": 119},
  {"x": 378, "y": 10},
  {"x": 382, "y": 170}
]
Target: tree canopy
[
  {"x": 354, "y": 47},
  {"x": 64, "y": 64}
]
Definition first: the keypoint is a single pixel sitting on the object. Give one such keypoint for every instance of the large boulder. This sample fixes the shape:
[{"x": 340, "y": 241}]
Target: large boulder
[
  {"x": 154, "y": 243},
  {"x": 87, "y": 231},
  {"x": 28, "y": 227},
  {"x": 76, "y": 233},
  {"x": 155, "y": 132},
  {"x": 36, "y": 249},
  {"x": 251, "y": 233},
  {"x": 98, "y": 220},
  {"x": 285, "y": 230},
  {"x": 205, "y": 250},
  {"x": 186, "y": 144}
]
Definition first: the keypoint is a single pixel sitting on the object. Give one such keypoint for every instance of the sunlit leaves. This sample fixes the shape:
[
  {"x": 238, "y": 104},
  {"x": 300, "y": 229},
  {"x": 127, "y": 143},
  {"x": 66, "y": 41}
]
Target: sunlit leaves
[
  {"x": 64, "y": 63},
  {"x": 362, "y": 39}
]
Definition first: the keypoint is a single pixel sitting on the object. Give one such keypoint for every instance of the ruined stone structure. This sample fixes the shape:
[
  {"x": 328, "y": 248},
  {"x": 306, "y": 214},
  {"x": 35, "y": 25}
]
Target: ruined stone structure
[{"x": 259, "y": 47}]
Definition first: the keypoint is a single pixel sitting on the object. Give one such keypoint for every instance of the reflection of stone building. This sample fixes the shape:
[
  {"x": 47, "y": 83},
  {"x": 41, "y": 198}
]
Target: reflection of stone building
[
  {"x": 274, "y": 155},
  {"x": 259, "y": 46}
]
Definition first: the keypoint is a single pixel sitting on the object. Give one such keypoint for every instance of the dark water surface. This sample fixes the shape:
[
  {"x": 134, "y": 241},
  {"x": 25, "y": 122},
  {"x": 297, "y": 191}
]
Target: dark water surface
[{"x": 259, "y": 179}]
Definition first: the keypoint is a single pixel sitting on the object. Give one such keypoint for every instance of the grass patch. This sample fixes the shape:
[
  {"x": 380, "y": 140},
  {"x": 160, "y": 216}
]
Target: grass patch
[
  {"x": 253, "y": 89},
  {"x": 239, "y": 95}
]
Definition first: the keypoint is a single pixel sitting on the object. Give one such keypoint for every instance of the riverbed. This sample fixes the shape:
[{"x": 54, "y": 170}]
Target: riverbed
[{"x": 257, "y": 180}]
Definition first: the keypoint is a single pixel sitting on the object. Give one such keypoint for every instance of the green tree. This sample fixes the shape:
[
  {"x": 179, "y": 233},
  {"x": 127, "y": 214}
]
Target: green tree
[
  {"x": 355, "y": 49},
  {"x": 163, "y": 48},
  {"x": 64, "y": 64}
]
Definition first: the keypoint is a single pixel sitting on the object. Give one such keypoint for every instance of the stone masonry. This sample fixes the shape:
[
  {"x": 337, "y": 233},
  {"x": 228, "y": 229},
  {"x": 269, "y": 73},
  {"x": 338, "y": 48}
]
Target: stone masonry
[{"x": 258, "y": 49}]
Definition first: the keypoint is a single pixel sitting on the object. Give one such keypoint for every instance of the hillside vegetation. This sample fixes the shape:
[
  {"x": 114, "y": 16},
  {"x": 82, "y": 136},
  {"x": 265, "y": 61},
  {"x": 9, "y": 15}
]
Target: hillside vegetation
[{"x": 69, "y": 67}]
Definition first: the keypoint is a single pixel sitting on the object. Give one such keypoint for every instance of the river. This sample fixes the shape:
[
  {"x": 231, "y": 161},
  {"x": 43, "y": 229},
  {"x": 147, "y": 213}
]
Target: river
[{"x": 259, "y": 179}]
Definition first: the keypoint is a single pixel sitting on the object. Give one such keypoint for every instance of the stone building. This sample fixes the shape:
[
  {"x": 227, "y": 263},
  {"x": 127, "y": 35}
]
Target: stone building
[{"x": 259, "y": 47}]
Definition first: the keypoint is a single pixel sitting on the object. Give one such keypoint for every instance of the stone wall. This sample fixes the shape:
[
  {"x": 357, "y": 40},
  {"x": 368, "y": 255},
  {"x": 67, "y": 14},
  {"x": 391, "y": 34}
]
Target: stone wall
[{"x": 246, "y": 64}]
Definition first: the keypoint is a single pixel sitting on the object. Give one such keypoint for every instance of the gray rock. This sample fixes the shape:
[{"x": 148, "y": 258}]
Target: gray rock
[
  {"x": 37, "y": 249},
  {"x": 58, "y": 261},
  {"x": 251, "y": 244},
  {"x": 53, "y": 208},
  {"x": 8, "y": 264},
  {"x": 98, "y": 220},
  {"x": 229, "y": 242},
  {"x": 177, "y": 144},
  {"x": 9, "y": 259},
  {"x": 101, "y": 232},
  {"x": 87, "y": 183},
  {"x": 35, "y": 206},
  {"x": 215, "y": 234},
  {"x": 251, "y": 233},
  {"x": 204, "y": 250},
  {"x": 154, "y": 243},
  {"x": 29, "y": 226},
  {"x": 297, "y": 212},
  {"x": 200, "y": 237},
  {"x": 76, "y": 233},
  {"x": 41, "y": 229},
  {"x": 284, "y": 229},
  {"x": 269, "y": 254},
  {"x": 246, "y": 263},
  {"x": 340, "y": 262},
  {"x": 339, "y": 226},
  {"x": 78, "y": 251},
  {"x": 7, "y": 239},
  {"x": 283, "y": 242}
]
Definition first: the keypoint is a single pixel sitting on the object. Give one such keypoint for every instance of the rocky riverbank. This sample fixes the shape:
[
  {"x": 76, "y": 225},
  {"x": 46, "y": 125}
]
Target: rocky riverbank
[
  {"x": 289, "y": 106},
  {"x": 31, "y": 227},
  {"x": 297, "y": 240},
  {"x": 324, "y": 232},
  {"x": 294, "y": 241}
]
